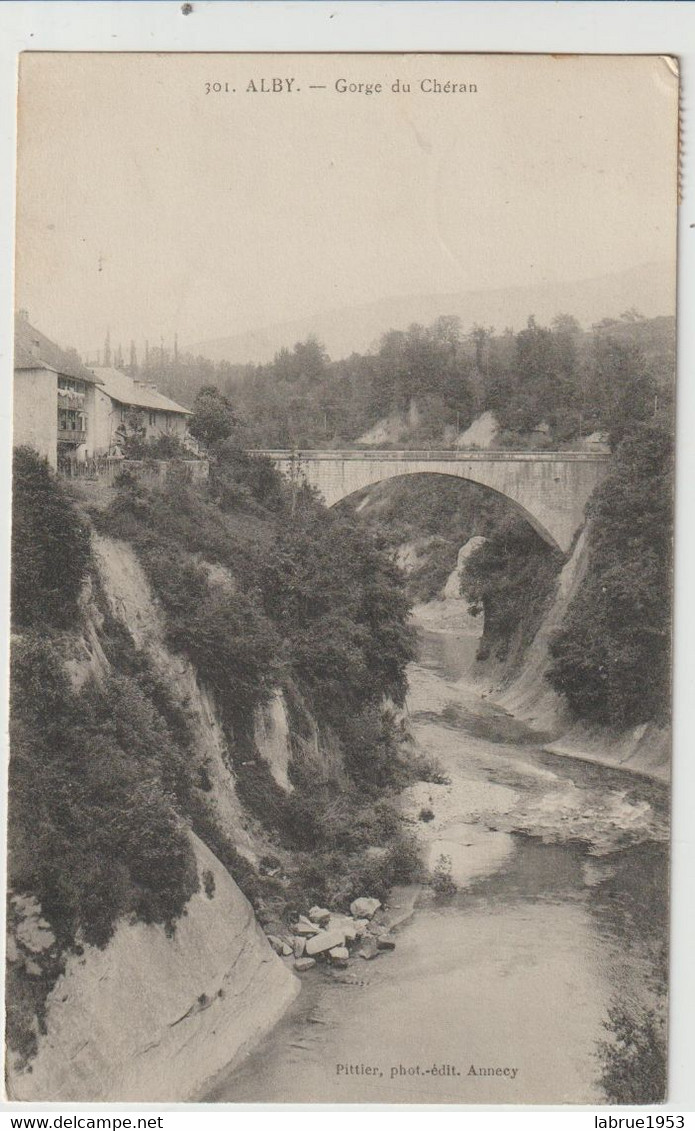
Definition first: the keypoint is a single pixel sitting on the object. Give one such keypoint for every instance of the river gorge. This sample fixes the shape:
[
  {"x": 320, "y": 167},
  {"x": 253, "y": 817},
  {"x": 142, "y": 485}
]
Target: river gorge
[{"x": 504, "y": 991}]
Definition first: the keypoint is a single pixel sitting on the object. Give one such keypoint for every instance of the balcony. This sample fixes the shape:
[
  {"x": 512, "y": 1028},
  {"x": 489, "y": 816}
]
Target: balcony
[
  {"x": 72, "y": 435},
  {"x": 72, "y": 401}
]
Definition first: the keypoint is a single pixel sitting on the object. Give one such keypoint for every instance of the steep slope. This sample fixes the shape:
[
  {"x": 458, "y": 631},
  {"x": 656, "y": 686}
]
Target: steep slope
[
  {"x": 643, "y": 749},
  {"x": 152, "y": 1016},
  {"x": 528, "y": 696},
  {"x": 132, "y": 603}
]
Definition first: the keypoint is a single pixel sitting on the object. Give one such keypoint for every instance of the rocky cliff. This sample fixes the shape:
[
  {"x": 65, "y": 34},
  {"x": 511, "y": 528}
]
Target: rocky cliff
[
  {"x": 151, "y": 1017},
  {"x": 153, "y": 1014},
  {"x": 526, "y": 694}
]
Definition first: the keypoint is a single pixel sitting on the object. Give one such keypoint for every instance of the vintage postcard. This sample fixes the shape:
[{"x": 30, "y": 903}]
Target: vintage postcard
[{"x": 341, "y": 578}]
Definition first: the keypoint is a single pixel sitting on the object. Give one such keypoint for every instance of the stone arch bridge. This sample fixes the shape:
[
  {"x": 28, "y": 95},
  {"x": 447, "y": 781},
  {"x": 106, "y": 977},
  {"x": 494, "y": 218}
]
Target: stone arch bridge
[{"x": 550, "y": 489}]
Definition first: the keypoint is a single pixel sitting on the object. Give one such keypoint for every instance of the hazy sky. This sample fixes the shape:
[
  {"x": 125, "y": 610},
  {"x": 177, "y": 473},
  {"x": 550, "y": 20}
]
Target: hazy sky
[{"x": 147, "y": 206}]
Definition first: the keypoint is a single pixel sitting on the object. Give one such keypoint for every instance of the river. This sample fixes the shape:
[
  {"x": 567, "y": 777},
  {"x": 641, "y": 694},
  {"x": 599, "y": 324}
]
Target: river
[{"x": 501, "y": 992}]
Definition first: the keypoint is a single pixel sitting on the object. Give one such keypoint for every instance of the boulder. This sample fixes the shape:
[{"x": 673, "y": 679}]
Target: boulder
[
  {"x": 319, "y": 915},
  {"x": 326, "y": 940},
  {"x": 305, "y": 927},
  {"x": 385, "y": 943},
  {"x": 369, "y": 949},
  {"x": 298, "y": 946},
  {"x": 377, "y": 929},
  {"x": 32, "y": 930},
  {"x": 287, "y": 950},
  {"x": 339, "y": 955},
  {"x": 302, "y": 964},
  {"x": 361, "y": 927},
  {"x": 345, "y": 924},
  {"x": 364, "y": 907},
  {"x": 276, "y": 943}
]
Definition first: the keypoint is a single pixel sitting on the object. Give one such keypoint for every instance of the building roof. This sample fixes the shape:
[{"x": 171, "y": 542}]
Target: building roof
[
  {"x": 122, "y": 388},
  {"x": 33, "y": 350}
]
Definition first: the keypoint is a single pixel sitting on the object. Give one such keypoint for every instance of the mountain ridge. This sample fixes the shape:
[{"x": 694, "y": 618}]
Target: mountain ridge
[{"x": 650, "y": 288}]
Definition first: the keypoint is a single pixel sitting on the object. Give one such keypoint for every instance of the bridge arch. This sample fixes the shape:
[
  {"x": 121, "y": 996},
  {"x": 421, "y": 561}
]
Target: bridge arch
[
  {"x": 550, "y": 489},
  {"x": 517, "y": 507}
]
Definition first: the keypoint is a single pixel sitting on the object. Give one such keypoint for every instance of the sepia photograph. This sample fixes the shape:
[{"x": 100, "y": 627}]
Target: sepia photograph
[{"x": 341, "y": 578}]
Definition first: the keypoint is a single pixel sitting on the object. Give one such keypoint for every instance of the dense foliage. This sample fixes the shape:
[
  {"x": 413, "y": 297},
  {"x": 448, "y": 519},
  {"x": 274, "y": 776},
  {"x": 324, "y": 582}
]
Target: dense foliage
[
  {"x": 94, "y": 834},
  {"x": 634, "y": 1061},
  {"x": 261, "y": 586},
  {"x": 547, "y": 385},
  {"x": 50, "y": 547},
  {"x": 214, "y": 419},
  {"x": 611, "y": 658},
  {"x": 303, "y": 592},
  {"x": 510, "y": 578},
  {"x": 96, "y": 777}
]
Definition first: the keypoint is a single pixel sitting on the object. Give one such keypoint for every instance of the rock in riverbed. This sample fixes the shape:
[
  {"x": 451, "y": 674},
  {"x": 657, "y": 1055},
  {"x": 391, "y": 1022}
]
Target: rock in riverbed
[
  {"x": 346, "y": 925},
  {"x": 326, "y": 940},
  {"x": 305, "y": 927},
  {"x": 339, "y": 955},
  {"x": 369, "y": 949},
  {"x": 302, "y": 964},
  {"x": 319, "y": 915},
  {"x": 364, "y": 907}
]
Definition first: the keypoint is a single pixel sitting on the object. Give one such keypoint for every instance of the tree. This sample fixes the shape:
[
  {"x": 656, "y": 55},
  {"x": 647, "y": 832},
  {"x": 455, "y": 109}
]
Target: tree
[
  {"x": 621, "y": 388},
  {"x": 612, "y": 655},
  {"x": 565, "y": 324},
  {"x": 214, "y": 419},
  {"x": 481, "y": 336},
  {"x": 131, "y": 435}
]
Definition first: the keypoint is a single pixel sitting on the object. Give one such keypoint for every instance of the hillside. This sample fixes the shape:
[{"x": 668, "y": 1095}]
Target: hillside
[
  {"x": 201, "y": 743},
  {"x": 650, "y": 288}
]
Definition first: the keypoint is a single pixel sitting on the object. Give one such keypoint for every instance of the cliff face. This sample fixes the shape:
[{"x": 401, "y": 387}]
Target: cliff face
[
  {"x": 527, "y": 695},
  {"x": 131, "y": 602},
  {"x": 150, "y": 1018},
  {"x": 152, "y": 1015},
  {"x": 644, "y": 749}
]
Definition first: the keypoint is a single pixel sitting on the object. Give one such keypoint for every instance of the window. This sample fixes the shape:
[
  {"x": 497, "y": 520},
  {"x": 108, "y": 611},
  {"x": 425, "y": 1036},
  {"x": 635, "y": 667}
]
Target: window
[{"x": 153, "y": 419}]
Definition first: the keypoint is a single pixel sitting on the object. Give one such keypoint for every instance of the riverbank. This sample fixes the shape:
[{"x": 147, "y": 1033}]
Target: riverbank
[
  {"x": 560, "y": 871},
  {"x": 529, "y": 704}
]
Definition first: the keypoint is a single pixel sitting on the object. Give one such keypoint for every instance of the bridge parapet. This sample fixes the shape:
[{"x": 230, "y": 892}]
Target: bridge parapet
[
  {"x": 429, "y": 454},
  {"x": 550, "y": 489}
]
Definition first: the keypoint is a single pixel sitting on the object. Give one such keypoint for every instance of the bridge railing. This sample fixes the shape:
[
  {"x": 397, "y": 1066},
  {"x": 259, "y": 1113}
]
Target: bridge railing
[{"x": 310, "y": 454}]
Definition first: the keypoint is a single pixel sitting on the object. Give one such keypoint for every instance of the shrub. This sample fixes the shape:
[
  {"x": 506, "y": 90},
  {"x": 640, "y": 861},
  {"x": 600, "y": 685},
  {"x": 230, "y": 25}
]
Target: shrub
[
  {"x": 400, "y": 864},
  {"x": 427, "y": 768},
  {"x": 633, "y": 1061},
  {"x": 426, "y": 815},
  {"x": 442, "y": 880}
]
